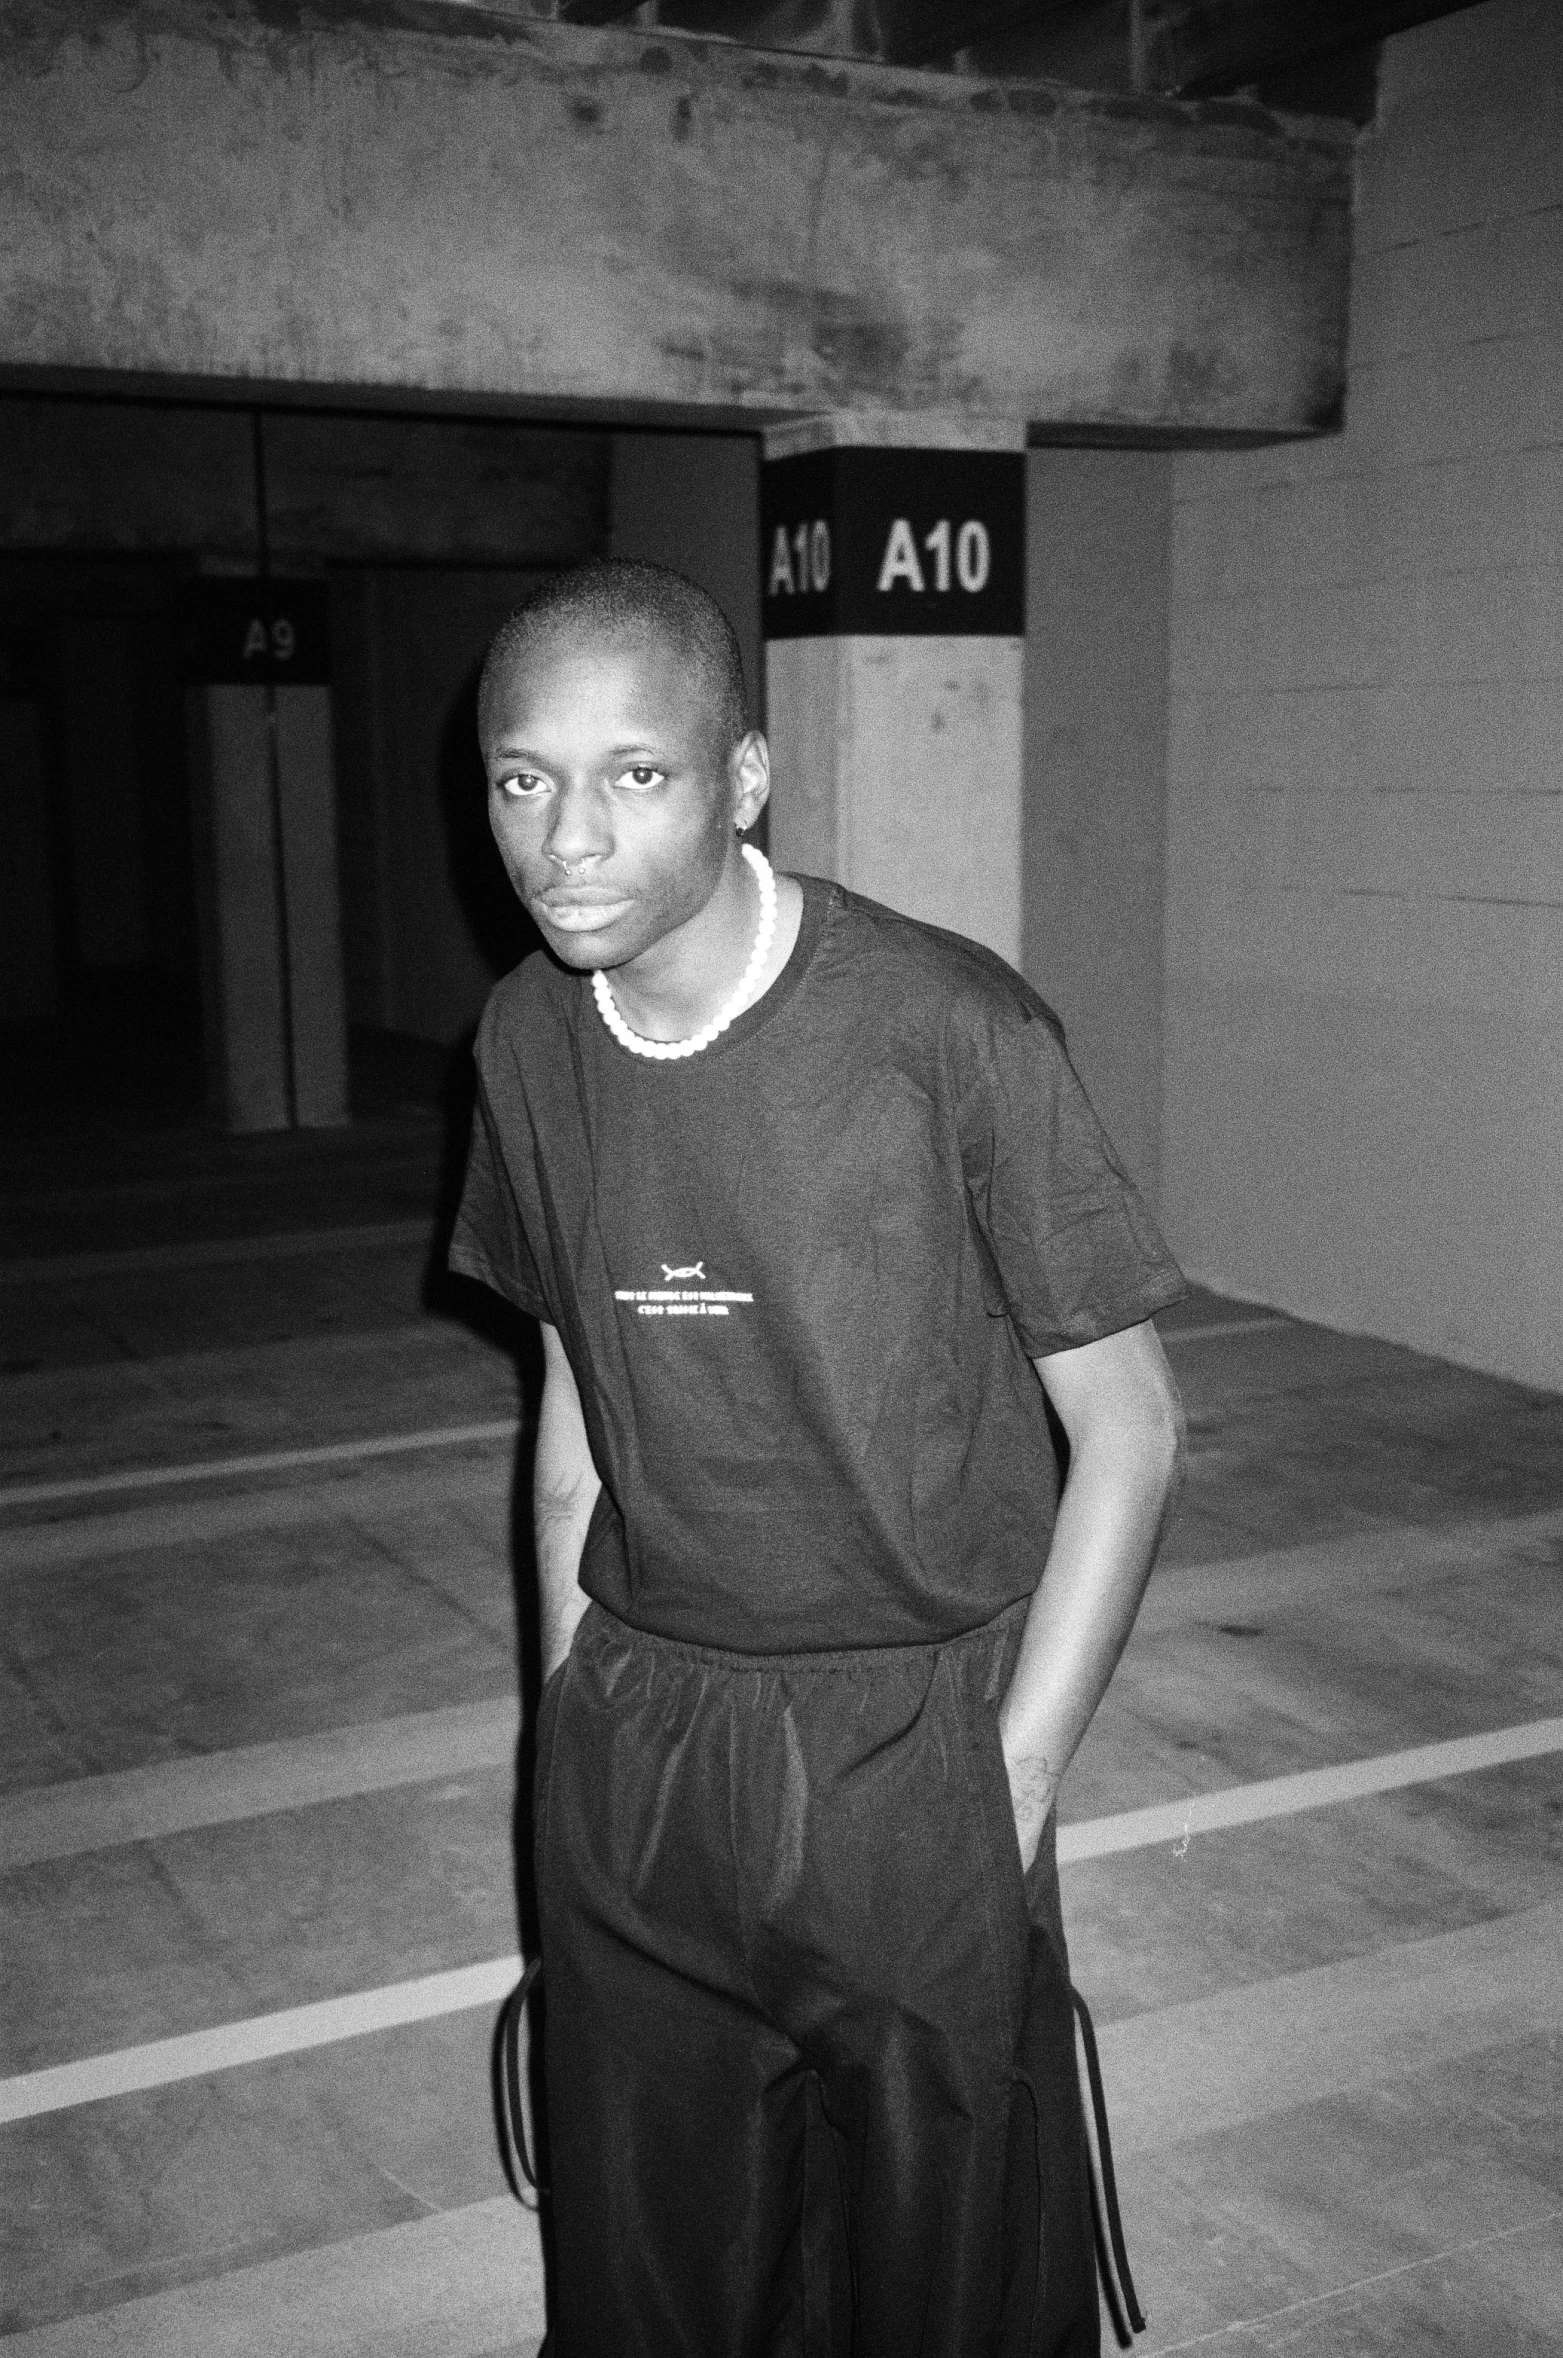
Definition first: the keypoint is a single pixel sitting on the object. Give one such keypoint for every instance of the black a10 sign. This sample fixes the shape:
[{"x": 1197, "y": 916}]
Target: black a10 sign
[
  {"x": 255, "y": 633},
  {"x": 858, "y": 543}
]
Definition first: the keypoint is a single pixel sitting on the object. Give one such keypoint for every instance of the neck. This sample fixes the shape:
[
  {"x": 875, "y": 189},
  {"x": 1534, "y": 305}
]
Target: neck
[{"x": 686, "y": 979}]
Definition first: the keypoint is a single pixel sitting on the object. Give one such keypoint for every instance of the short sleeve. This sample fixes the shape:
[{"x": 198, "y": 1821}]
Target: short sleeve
[
  {"x": 489, "y": 1240},
  {"x": 1074, "y": 1253}
]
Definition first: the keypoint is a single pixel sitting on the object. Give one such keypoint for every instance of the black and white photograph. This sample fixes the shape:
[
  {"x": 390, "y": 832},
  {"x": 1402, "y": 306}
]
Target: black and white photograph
[{"x": 781, "y": 1178}]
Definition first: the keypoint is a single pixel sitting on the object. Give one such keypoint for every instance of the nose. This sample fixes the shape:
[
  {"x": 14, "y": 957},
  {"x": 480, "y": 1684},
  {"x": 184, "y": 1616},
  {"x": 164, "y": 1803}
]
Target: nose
[{"x": 576, "y": 835}]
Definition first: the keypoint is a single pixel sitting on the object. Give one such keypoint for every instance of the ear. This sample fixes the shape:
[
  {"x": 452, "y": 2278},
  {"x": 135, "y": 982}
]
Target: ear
[{"x": 749, "y": 779}]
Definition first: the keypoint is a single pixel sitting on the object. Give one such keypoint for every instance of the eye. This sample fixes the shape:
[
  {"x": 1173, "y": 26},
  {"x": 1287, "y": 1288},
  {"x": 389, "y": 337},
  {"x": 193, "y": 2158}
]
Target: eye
[
  {"x": 641, "y": 776},
  {"x": 521, "y": 785}
]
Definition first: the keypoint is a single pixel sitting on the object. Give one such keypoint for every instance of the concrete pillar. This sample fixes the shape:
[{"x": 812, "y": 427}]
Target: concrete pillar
[
  {"x": 306, "y": 772},
  {"x": 892, "y": 558},
  {"x": 264, "y": 779}
]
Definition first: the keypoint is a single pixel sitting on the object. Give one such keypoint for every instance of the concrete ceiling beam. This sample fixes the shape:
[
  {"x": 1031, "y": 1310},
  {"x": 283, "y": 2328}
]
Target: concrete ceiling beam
[{"x": 475, "y": 205}]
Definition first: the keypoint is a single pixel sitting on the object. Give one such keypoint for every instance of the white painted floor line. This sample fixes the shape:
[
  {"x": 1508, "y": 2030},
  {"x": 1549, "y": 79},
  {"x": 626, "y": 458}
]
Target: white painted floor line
[
  {"x": 1172, "y": 1335},
  {"x": 1280, "y": 1797},
  {"x": 82, "y": 1814},
  {"x": 214, "y": 1252},
  {"x": 264, "y": 1461},
  {"x": 1250, "y": 2052},
  {"x": 382, "y": 1445},
  {"x": 255, "y": 1780},
  {"x": 278, "y": 1461},
  {"x": 469, "y": 2283},
  {"x": 1348, "y": 1572},
  {"x": 197, "y": 2053},
  {"x": 391, "y": 1497}
]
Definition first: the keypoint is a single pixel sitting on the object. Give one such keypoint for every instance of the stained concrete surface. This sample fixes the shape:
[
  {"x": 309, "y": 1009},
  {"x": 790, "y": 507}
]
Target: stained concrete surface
[
  {"x": 700, "y": 228},
  {"x": 1311, "y": 2158}
]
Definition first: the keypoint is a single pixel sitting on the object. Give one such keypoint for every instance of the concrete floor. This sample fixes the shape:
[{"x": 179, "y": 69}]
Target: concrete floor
[{"x": 257, "y": 1661}]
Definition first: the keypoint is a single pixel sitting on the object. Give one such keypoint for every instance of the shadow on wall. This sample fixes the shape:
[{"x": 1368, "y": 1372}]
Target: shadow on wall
[
  {"x": 500, "y": 927},
  {"x": 503, "y": 935}
]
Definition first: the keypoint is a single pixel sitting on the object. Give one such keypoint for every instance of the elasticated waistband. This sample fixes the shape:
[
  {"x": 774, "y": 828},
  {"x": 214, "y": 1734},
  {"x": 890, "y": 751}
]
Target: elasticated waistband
[{"x": 862, "y": 1661}]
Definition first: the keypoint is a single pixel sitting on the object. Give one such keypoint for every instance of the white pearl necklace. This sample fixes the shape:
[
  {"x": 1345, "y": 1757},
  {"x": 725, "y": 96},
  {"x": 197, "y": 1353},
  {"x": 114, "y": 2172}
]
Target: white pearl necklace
[{"x": 665, "y": 1050}]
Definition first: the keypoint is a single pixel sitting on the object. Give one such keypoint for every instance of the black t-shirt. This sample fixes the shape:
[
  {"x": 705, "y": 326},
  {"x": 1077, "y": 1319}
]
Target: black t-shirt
[{"x": 800, "y": 1278}]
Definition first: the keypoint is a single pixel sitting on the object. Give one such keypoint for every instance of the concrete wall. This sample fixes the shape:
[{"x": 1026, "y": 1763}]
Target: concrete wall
[
  {"x": 1097, "y": 539},
  {"x": 470, "y": 203},
  {"x": 1364, "y": 1041}
]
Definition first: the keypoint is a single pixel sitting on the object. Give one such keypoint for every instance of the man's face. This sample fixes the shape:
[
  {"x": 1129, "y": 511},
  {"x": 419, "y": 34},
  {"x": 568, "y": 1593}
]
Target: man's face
[{"x": 609, "y": 794}]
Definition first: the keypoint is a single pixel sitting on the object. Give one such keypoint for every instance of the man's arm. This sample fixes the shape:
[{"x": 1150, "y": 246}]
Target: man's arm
[
  {"x": 1119, "y": 1406},
  {"x": 565, "y": 1484}
]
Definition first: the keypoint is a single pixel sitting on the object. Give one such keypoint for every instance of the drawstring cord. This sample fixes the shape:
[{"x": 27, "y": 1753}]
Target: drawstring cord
[
  {"x": 520, "y": 2168},
  {"x": 1106, "y": 2198},
  {"x": 509, "y": 2114}
]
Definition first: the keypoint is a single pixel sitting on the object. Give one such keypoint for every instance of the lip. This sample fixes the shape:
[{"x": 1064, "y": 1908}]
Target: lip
[{"x": 580, "y": 912}]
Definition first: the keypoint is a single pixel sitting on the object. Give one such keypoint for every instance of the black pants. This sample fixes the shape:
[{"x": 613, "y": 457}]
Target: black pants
[{"x": 809, "y": 2057}]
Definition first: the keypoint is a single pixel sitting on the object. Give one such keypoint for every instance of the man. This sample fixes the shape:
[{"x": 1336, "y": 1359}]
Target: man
[{"x": 807, "y": 1199}]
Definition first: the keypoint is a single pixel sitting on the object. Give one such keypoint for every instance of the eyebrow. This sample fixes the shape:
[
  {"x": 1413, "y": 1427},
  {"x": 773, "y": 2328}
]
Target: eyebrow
[{"x": 636, "y": 745}]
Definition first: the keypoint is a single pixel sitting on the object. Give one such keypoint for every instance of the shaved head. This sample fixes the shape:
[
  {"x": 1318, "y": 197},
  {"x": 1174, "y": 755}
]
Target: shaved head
[{"x": 613, "y": 598}]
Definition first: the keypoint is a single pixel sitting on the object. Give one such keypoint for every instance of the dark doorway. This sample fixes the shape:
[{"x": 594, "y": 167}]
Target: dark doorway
[
  {"x": 426, "y": 531},
  {"x": 99, "y": 995}
]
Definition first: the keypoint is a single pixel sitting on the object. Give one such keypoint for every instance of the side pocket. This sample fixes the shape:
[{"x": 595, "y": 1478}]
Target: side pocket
[
  {"x": 1000, "y": 1804},
  {"x": 1001, "y": 1855},
  {"x": 547, "y": 1725}
]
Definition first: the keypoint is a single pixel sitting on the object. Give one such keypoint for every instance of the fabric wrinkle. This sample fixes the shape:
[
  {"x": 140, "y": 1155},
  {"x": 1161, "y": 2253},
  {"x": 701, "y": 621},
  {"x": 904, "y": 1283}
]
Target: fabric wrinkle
[
  {"x": 794, "y": 1925},
  {"x": 794, "y": 1806},
  {"x": 809, "y": 2050},
  {"x": 798, "y": 1362}
]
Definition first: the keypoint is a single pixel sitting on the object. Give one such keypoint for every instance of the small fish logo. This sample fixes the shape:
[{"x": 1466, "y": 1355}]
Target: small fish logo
[{"x": 677, "y": 1276}]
